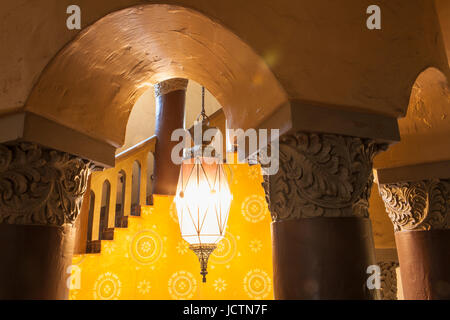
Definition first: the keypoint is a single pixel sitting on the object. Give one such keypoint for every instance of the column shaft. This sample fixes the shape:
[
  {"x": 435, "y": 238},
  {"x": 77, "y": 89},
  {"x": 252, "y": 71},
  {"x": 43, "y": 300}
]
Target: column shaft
[
  {"x": 170, "y": 105},
  {"x": 41, "y": 191},
  {"x": 425, "y": 264},
  {"x": 322, "y": 258},
  {"x": 420, "y": 214},
  {"x": 322, "y": 236},
  {"x": 35, "y": 261}
]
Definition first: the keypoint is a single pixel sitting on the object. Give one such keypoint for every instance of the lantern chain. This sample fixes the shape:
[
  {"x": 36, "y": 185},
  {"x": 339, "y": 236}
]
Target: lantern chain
[{"x": 203, "y": 113}]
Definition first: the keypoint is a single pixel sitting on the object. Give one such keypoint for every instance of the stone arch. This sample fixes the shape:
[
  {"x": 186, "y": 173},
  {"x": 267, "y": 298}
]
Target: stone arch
[
  {"x": 94, "y": 81},
  {"x": 425, "y": 128},
  {"x": 429, "y": 98}
]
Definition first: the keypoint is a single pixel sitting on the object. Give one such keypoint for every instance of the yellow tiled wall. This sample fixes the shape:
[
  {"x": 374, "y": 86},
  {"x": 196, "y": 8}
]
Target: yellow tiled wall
[{"x": 150, "y": 260}]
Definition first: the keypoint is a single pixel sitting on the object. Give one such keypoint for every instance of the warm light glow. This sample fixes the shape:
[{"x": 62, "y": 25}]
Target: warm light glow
[{"x": 203, "y": 200}]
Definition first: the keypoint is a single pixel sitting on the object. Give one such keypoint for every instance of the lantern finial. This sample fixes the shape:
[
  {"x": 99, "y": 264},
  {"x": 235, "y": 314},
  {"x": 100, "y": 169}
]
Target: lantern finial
[{"x": 203, "y": 251}]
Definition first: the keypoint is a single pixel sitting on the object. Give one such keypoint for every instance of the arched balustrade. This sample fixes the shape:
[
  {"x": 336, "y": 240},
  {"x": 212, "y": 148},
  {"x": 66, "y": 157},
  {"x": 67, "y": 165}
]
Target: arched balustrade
[
  {"x": 120, "y": 198},
  {"x": 104, "y": 208},
  {"x": 135, "y": 188},
  {"x": 121, "y": 179}
]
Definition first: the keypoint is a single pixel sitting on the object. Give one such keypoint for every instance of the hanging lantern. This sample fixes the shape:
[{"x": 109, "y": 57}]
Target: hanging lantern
[{"x": 203, "y": 199}]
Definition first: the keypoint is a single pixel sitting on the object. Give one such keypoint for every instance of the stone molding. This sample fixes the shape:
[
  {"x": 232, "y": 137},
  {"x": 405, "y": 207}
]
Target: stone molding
[
  {"x": 388, "y": 290},
  {"x": 27, "y": 126},
  {"x": 321, "y": 175},
  {"x": 170, "y": 85},
  {"x": 40, "y": 186},
  {"x": 420, "y": 205}
]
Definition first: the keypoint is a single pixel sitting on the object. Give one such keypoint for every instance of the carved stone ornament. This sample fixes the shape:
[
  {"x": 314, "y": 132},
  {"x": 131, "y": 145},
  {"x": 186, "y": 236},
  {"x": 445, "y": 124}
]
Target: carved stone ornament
[
  {"x": 170, "y": 85},
  {"x": 388, "y": 279},
  {"x": 39, "y": 186},
  {"x": 421, "y": 205},
  {"x": 321, "y": 175}
]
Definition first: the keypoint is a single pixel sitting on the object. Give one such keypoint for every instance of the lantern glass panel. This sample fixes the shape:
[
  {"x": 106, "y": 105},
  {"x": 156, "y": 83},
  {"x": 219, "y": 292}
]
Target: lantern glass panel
[{"x": 203, "y": 200}]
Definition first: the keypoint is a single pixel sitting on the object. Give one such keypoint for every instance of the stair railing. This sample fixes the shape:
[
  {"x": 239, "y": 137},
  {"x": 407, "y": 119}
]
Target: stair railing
[{"x": 124, "y": 163}]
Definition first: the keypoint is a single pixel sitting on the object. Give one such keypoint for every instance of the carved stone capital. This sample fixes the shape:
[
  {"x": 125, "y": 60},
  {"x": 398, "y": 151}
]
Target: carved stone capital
[
  {"x": 321, "y": 175},
  {"x": 388, "y": 279},
  {"x": 421, "y": 205},
  {"x": 39, "y": 186},
  {"x": 170, "y": 85}
]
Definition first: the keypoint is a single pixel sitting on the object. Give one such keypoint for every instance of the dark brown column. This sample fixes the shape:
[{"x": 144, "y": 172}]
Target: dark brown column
[
  {"x": 40, "y": 197},
  {"x": 322, "y": 237},
  {"x": 170, "y": 101},
  {"x": 322, "y": 258},
  {"x": 420, "y": 214}
]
